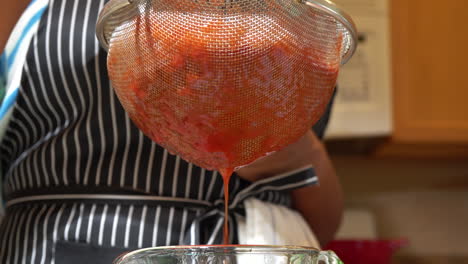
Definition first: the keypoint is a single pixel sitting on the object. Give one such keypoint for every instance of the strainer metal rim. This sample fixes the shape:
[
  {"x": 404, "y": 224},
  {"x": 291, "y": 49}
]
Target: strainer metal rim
[
  {"x": 326, "y": 6},
  {"x": 111, "y": 7},
  {"x": 344, "y": 18}
]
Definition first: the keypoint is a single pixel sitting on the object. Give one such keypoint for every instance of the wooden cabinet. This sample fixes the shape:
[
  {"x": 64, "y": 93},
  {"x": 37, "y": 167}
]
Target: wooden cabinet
[{"x": 430, "y": 70}]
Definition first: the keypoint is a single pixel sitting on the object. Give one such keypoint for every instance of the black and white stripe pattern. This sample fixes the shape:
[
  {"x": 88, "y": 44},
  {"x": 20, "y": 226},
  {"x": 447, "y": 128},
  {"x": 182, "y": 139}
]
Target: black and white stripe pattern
[
  {"x": 70, "y": 135},
  {"x": 31, "y": 231},
  {"x": 120, "y": 221}
]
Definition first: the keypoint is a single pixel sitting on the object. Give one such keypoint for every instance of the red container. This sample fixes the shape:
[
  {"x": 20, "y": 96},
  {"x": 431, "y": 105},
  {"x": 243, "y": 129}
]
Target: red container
[{"x": 366, "y": 251}]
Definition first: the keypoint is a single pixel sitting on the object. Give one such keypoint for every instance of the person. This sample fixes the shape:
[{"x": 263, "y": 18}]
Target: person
[{"x": 82, "y": 184}]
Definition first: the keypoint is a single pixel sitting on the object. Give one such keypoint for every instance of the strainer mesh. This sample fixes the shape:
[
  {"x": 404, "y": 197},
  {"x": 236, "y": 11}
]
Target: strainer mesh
[{"x": 222, "y": 83}]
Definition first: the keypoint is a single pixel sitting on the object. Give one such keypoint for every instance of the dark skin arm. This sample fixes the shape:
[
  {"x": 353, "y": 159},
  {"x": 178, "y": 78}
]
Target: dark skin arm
[{"x": 321, "y": 205}]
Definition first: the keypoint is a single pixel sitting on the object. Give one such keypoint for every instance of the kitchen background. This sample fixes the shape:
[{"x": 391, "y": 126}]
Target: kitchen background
[{"x": 399, "y": 129}]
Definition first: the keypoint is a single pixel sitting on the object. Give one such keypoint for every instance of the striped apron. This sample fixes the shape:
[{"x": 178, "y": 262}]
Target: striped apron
[{"x": 81, "y": 183}]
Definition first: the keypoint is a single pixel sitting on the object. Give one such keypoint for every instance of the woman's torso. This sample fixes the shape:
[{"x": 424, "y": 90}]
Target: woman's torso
[{"x": 69, "y": 135}]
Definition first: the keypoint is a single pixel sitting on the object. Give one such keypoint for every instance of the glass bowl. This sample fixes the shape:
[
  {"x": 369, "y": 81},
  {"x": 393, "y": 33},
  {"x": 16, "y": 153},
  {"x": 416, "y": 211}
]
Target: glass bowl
[{"x": 231, "y": 254}]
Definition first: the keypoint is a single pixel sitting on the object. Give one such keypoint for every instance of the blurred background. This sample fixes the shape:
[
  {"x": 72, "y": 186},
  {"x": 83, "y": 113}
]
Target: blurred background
[{"x": 399, "y": 129}]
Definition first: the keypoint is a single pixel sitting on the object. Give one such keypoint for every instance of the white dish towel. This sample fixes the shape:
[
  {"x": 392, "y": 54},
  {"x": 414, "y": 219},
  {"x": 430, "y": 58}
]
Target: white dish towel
[{"x": 271, "y": 224}]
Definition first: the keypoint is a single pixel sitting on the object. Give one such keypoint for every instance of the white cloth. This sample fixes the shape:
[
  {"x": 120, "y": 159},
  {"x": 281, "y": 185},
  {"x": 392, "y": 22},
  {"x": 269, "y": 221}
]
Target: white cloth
[{"x": 271, "y": 224}]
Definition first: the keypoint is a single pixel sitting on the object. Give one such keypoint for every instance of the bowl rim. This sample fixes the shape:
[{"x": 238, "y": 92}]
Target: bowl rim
[{"x": 221, "y": 249}]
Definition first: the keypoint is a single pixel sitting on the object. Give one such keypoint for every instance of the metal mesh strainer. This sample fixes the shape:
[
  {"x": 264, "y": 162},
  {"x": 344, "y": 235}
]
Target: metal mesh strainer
[{"x": 224, "y": 82}]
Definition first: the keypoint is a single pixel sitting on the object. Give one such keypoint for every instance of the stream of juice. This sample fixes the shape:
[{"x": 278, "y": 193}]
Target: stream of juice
[{"x": 226, "y": 173}]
